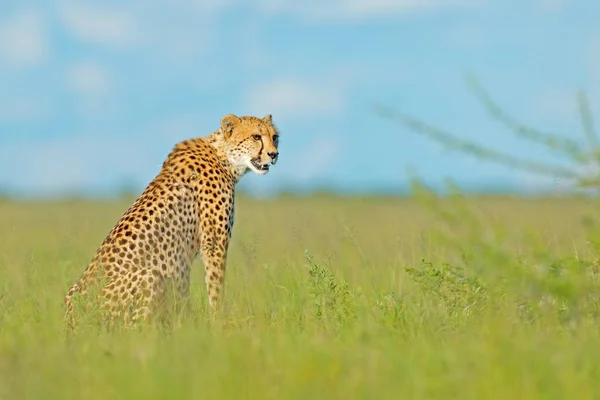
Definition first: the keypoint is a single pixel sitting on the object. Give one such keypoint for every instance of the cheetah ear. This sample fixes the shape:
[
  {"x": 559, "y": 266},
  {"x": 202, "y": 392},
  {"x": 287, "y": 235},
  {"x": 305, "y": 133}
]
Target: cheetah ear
[
  {"x": 268, "y": 118},
  {"x": 228, "y": 122}
]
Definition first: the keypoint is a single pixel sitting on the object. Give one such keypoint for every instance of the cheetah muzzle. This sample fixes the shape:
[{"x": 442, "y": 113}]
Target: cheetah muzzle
[{"x": 260, "y": 166}]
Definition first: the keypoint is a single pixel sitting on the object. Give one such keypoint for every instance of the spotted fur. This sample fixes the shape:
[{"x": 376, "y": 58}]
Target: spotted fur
[{"x": 188, "y": 209}]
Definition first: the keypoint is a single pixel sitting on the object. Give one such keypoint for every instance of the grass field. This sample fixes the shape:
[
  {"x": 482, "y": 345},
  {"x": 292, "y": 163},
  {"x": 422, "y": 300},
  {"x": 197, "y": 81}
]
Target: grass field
[{"x": 326, "y": 298}]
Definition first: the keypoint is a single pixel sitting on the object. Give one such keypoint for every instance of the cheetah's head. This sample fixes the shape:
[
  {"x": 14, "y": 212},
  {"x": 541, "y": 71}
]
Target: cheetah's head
[{"x": 250, "y": 142}]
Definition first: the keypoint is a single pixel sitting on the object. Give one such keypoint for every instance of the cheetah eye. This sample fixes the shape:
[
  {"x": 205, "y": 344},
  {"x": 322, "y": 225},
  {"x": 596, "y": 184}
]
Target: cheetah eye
[
  {"x": 275, "y": 138},
  {"x": 256, "y": 137}
]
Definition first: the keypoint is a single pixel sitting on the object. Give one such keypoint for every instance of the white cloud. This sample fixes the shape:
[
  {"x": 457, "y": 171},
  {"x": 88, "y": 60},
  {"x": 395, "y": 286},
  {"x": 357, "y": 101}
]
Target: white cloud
[
  {"x": 551, "y": 5},
  {"x": 300, "y": 97},
  {"x": 52, "y": 165},
  {"x": 468, "y": 36},
  {"x": 21, "y": 109},
  {"x": 530, "y": 183},
  {"x": 558, "y": 104},
  {"x": 593, "y": 72},
  {"x": 106, "y": 25},
  {"x": 89, "y": 80},
  {"x": 23, "y": 39},
  {"x": 96, "y": 161},
  {"x": 174, "y": 31},
  {"x": 93, "y": 88},
  {"x": 57, "y": 166},
  {"x": 311, "y": 163},
  {"x": 289, "y": 97},
  {"x": 206, "y": 7},
  {"x": 359, "y": 9}
]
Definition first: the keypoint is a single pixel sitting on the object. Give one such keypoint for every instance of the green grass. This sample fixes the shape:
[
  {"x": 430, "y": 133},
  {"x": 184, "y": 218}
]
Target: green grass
[{"x": 326, "y": 298}]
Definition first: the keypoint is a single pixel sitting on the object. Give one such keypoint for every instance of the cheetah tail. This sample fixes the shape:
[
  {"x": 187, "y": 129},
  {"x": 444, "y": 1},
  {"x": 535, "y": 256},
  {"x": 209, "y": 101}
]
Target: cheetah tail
[{"x": 69, "y": 316}]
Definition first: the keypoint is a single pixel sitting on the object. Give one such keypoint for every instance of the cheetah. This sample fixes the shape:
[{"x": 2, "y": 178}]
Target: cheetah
[{"x": 188, "y": 209}]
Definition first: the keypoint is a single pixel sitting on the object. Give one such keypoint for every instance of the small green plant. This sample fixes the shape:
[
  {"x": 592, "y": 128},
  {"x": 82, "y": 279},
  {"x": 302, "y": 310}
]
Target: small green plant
[
  {"x": 461, "y": 293},
  {"x": 334, "y": 300},
  {"x": 390, "y": 310}
]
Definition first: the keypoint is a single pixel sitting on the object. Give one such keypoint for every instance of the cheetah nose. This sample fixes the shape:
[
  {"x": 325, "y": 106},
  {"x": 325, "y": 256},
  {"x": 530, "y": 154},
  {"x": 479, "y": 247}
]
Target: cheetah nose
[{"x": 273, "y": 155}]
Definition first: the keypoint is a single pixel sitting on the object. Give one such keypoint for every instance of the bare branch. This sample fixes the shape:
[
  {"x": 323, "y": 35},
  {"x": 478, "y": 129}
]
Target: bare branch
[
  {"x": 554, "y": 142},
  {"x": 587, "y": 122},
  {"x": 451, "y": 141}
]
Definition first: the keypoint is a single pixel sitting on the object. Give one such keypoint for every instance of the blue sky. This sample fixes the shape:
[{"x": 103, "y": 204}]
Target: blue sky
[{"x": 93, "y": 95}]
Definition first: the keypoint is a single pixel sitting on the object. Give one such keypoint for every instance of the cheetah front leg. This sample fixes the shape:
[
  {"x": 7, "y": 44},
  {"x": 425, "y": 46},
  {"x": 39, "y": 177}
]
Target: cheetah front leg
[{"x": 214, "y": 255}]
